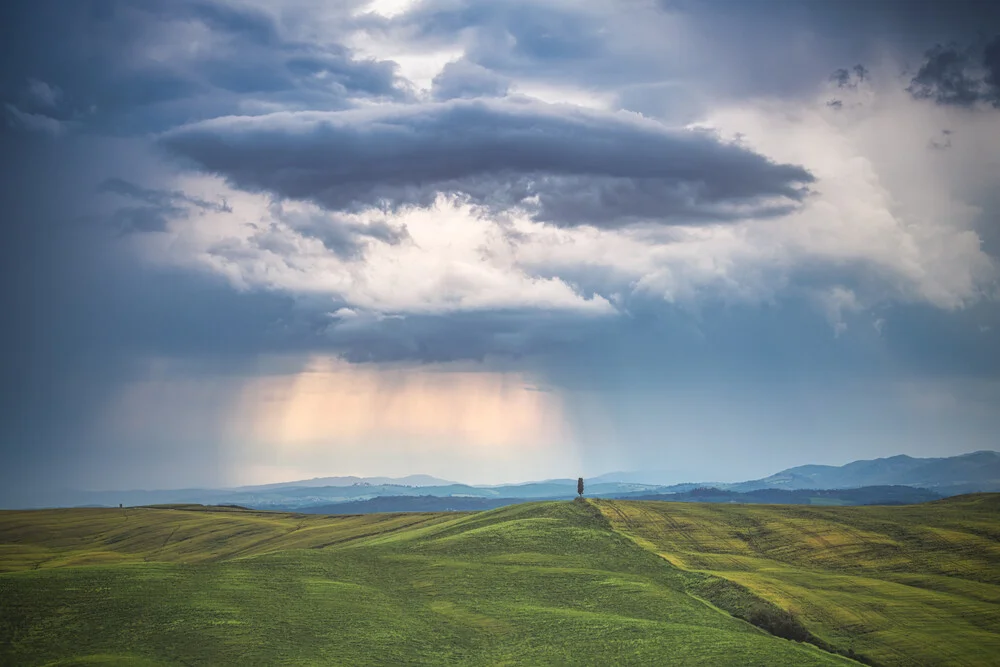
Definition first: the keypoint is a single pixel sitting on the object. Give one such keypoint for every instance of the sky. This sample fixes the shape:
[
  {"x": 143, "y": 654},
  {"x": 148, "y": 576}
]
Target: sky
[{"x": 250, "y": 242}]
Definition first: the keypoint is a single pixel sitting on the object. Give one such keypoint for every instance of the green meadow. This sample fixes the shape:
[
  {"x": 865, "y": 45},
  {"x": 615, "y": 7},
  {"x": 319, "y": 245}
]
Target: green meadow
[
  {"x": 910, "y": 585},
  {"x": 582, "y": 583}
]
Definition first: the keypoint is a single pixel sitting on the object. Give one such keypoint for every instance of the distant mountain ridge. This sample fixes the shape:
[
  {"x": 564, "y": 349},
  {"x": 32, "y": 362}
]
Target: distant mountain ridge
[
  {"x": 965, "y": 473},
  {"x": 352, "y": 480},
  {"x": 657, "y": 477}
]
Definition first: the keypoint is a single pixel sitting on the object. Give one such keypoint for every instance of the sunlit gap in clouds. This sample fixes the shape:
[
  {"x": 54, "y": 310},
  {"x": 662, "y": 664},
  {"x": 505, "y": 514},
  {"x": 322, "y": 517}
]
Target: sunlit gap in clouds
[
  {"x": 334, "y": 418},
  {"x": 416, "y": 65}
]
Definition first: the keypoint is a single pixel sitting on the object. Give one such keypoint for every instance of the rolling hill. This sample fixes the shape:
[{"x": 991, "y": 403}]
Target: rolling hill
[
  {"x": 587, "y": 582},
  {"x": 530, "y": 584},
  {"x": 898, "y": 585}
]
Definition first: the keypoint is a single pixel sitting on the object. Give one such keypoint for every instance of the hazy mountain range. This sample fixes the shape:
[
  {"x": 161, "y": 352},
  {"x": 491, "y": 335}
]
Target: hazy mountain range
[
  {"x": 351, "y": 480},
  {"x": 978, "y": 471}
]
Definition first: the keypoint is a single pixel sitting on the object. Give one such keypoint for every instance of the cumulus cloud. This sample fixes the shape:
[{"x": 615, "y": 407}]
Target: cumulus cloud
[
  {"x": 565, "y": 165},
  {"x": 428, "y": 262},
  {"x": 885, "y": 223},
  {"x": 464, "y": 79}
]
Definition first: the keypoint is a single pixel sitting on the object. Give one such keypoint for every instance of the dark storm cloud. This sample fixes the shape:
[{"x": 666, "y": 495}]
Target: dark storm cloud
[
  {"x": 496, "y": 154},
  {"x": 958, "y": 76},
  {"x": 120, "y": 66}
]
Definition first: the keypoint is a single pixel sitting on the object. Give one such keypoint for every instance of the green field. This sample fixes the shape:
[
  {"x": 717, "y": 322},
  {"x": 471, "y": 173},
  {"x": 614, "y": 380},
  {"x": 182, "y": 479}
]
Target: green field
[
  {"x": 909, "y": 585},
  {"x": 582, "y": 583}
]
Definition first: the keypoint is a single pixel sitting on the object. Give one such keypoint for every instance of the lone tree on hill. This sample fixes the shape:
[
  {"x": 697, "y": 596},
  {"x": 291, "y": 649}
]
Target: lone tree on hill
[{"x": 579, "y": 486}]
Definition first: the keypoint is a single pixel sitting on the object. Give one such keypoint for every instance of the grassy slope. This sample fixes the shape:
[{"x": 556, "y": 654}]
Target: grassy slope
[
  {"x": 183, "y": 534},
  {"x": 916, "y": 585},
  {"x": 545, "y": 583}
]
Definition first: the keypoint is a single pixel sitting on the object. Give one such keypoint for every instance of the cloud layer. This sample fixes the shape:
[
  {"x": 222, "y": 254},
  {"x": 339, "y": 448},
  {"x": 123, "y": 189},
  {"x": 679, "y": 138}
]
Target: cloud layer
[
  {"x": 565, "y": 165},
  {"x": 689, "y": 213}
]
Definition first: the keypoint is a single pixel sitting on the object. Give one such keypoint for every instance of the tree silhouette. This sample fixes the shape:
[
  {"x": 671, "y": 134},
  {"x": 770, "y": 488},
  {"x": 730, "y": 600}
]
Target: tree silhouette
[{"x": 579, "y": 486}]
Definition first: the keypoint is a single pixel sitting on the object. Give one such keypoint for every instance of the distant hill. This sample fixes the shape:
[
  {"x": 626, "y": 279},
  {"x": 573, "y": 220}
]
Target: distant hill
[
  {"x": 653, "y": 477},
  {"x": 351, "y": 480},
  {"x": 978, "y": 471}
]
